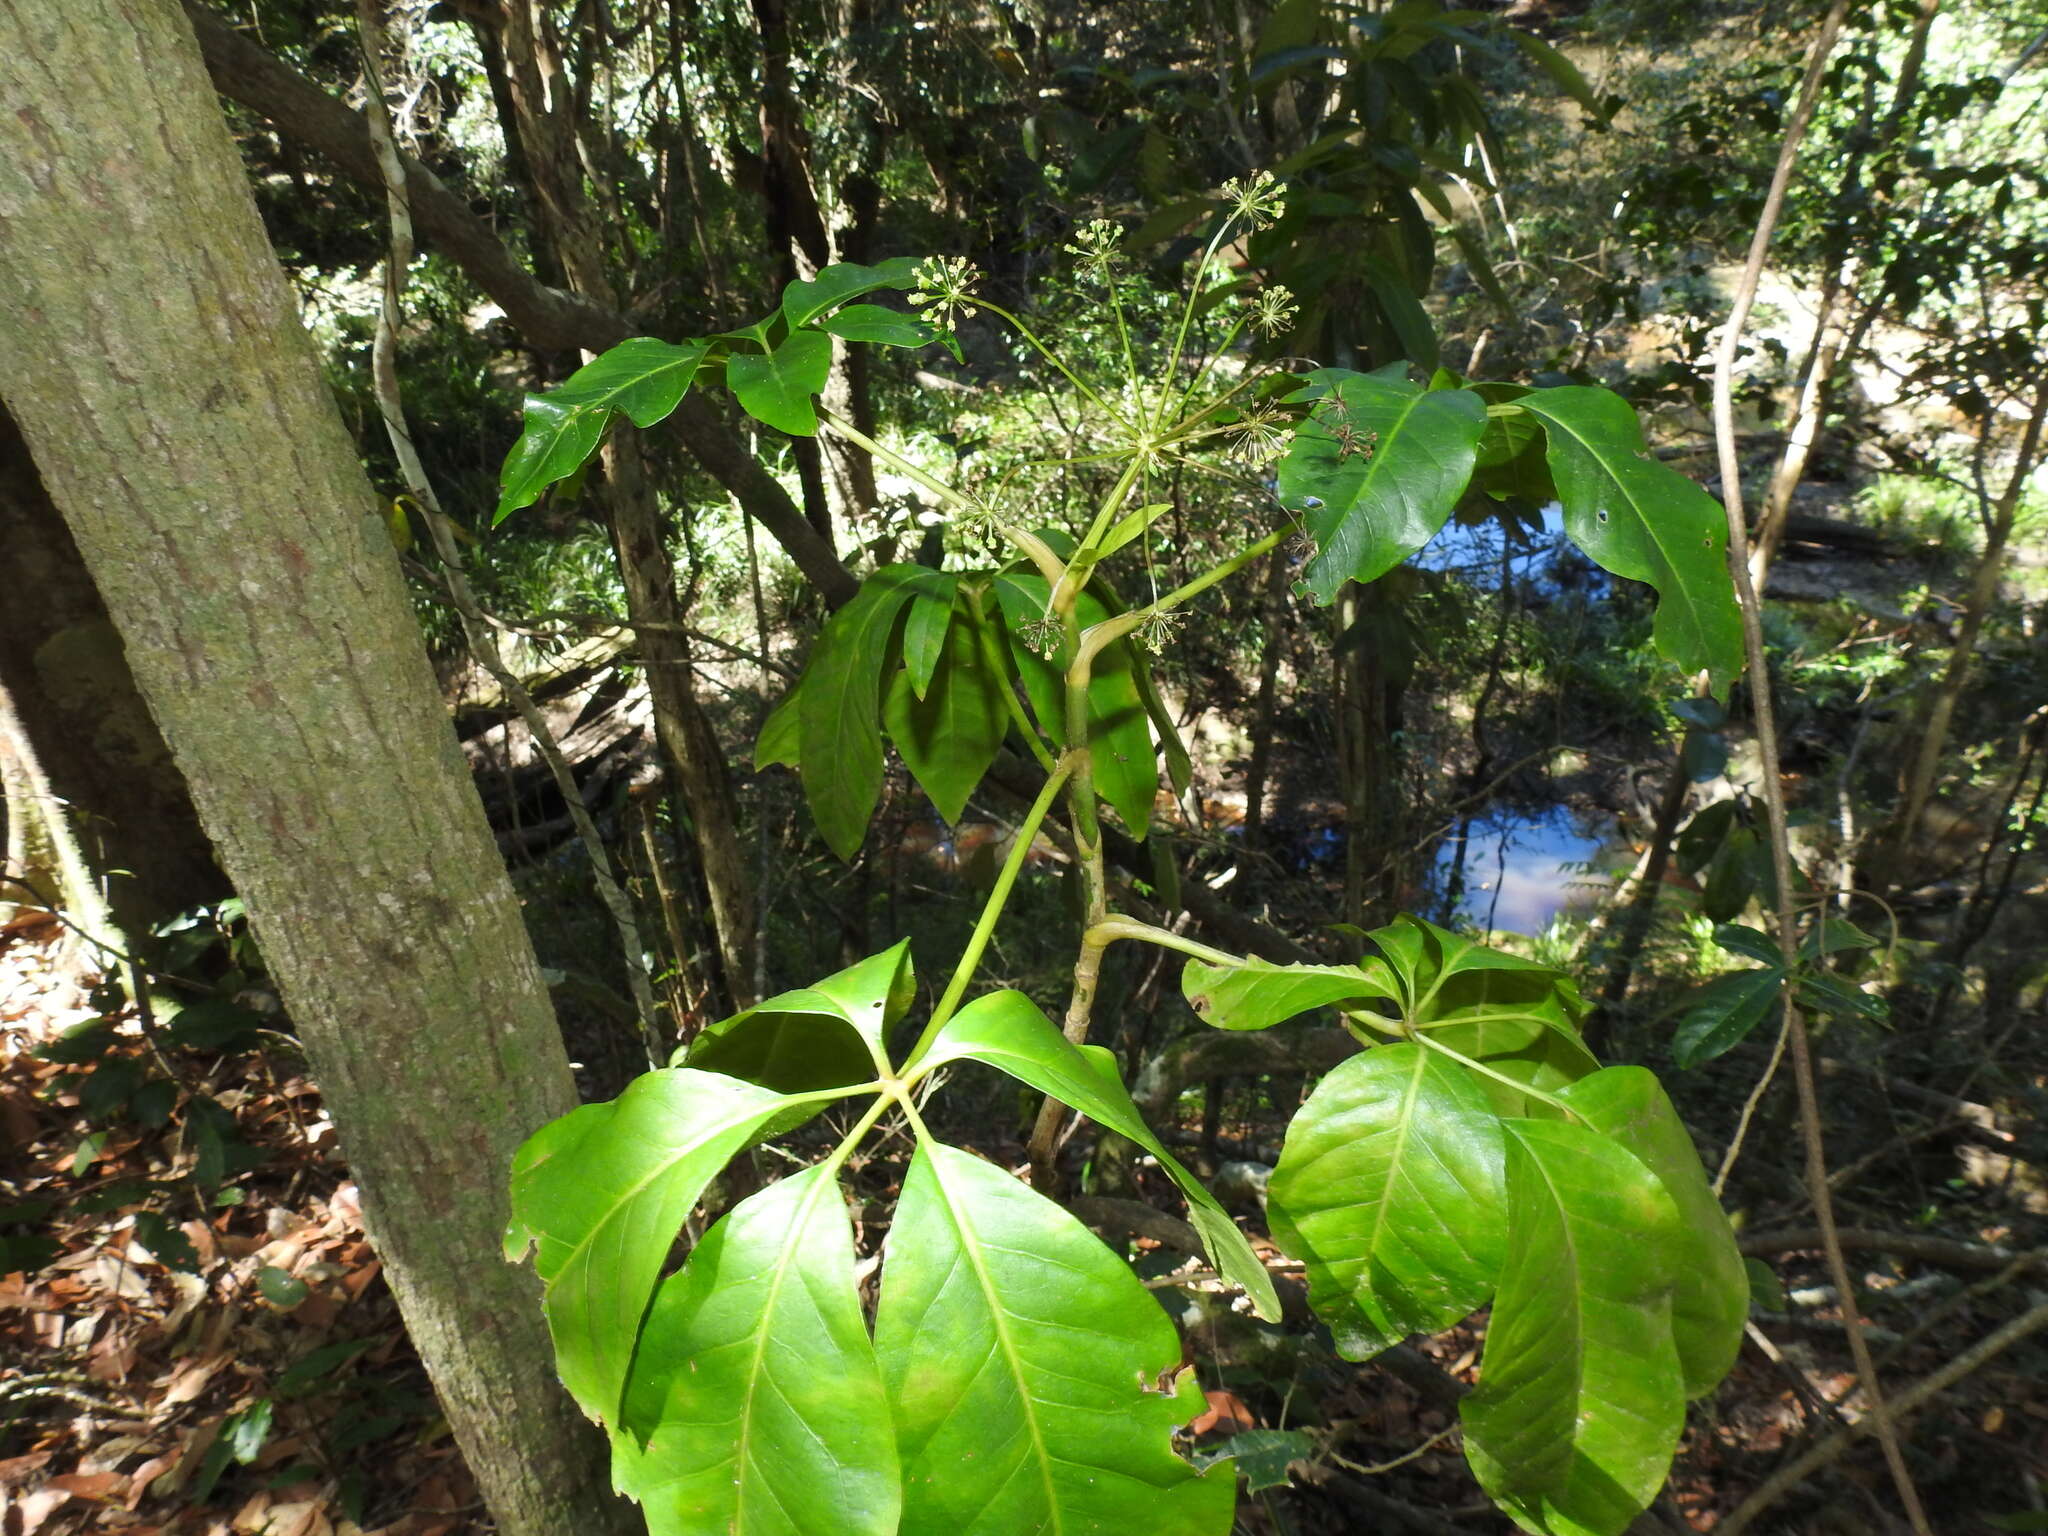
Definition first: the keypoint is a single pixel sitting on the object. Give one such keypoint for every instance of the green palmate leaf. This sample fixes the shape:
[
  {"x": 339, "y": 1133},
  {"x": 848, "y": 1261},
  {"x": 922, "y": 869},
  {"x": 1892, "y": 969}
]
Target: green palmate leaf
[
  {"x": 1580, "y": 1398},
  {"x": 599, "y": 1195},
  {"x": 1710, "y": 1298},
  {"x": 1259, "y": 994},
  {"x": 839, "y": 737},
  {"x": 1723, "y": 1012},
  {"x": 1389, "y": 1190},
  {"x": 1375, "y": 469},
  {"x": 884, "y": 327},
  {"x": 1643, "y": 520},
  {"x": 1007, "y": 1031},
  {"x": 642, "y": 377},
  {"x": 1119, "y": 740},
  {"x": 755, "y": 1406},
  {"x": 831, "y": 1034},
  {"x": 804, "y": 301},
  {"x": 1479, "y": 1001},
  {"x": 924, "y": 637},
  {"x": 1020, "y": 1358},
  {"x": 776, "y": 387},
  {"x": 949, "y": 736}
]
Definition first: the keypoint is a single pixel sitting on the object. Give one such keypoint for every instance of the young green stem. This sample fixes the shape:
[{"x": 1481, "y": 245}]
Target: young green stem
[
  {"x": 1421, "y": 1038},
  {"x": 895, "y": 461},
  {"x": 991, "y": 911},
  {"x": 1053, "y": 357},
  {"x": 1112, "y": 928},
  {"x": 1096, "y": 636}
]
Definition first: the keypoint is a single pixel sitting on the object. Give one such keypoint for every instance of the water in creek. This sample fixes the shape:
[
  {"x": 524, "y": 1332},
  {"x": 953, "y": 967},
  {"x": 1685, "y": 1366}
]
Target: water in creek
[{"x": 1515, "y": 871}]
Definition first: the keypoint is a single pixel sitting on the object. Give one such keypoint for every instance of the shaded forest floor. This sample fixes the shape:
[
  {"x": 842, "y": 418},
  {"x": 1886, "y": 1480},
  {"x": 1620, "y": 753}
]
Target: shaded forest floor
[{"x": 171, "y": 1363}]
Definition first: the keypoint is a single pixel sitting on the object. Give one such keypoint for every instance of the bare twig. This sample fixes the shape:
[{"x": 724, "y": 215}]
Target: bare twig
[
  {"x": 1800, "y": 1047},
  {"x": 1883, "y": 1420},
  {"x": 390, "y": 403}
]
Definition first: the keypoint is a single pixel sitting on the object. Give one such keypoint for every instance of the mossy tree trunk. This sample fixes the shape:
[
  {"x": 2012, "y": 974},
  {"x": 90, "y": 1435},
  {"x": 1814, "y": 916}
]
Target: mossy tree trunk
[{"x": 153, "y": 358}]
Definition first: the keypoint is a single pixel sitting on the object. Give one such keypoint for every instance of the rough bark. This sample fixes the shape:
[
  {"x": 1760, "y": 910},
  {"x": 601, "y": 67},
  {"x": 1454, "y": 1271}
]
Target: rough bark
[
  {"x": 154, "y": 360},
  {"x": 78, "y": 714}
]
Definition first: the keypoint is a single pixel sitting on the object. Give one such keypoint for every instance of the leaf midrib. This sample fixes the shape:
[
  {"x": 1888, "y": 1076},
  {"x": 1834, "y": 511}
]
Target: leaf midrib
[
  {"x": 1678, "y": 586},
  {"x": 970, "y": 1246},
  {"x": 791, "y": 1239}
]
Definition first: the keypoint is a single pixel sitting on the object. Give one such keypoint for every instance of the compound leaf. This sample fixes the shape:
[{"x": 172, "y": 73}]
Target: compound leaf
[
  {"x": 599, "y": 1195},
  {"x": 1641, "y": 519},
  {"x": 1259, "y": 994},
  {"x": 804, "y": 301},
  {"x": 1007, "y": 1031},
  {"x": 1710, "y": 1302},
  {"x": 924, "y": 638},
  {"x": 1376, "y": 468},
  {"x": 1020, "y": 1357},
  {"x": 950, "y": 734},
  {"x": 643, "y": 377},
  {"x": 776, "y": 387},
  {"x": 1119, "y": 735},
  {"x": 831, "y": 1034},
  {"x": 839, "y": 736},
  {"x": 1389, "y": 1190},
  {"x": 1580, "y": 1397},
  {"x": 755, "y": 1406}
]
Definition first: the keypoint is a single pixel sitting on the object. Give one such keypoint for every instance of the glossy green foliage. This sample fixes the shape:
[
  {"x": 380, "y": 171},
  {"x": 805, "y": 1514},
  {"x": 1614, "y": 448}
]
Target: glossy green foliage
[
  {"x": 1119, "y": 731},
  {"x": 1375, "y": 468},
  {"x": 1724, "y": 1012},
  {"x": 1378, "y": 464},
  {"x": 1580, "y": 1398},
  {"x": 1021, "y": 1358},
  {"x": 1641, "y": 519},
  {"x": 929, "y": 657},
  {"x": 1389, "y": 1190},
  {"x": 1484, "y": 1156},
  {"x": 773, "y": 369},
  {"x": 1007, "y": 1031},
  {"x": 756, "y": 1385},
  {"x": 644, "y": 378},
  {"x": 1710, "y": 1296},
  {"x": 1015, "y": 1379},
  {"x": 598, "y": 1196}
]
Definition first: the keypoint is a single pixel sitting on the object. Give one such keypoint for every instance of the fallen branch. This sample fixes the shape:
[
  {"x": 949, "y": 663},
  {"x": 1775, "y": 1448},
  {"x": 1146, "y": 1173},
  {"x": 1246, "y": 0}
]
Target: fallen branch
[
  {"x": 1883, "y": 1421},
  {"x": 1944, "y": 1251}
]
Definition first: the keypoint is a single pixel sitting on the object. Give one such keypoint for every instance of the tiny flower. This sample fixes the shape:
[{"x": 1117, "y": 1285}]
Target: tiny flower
[
  {"x": 1042, "y": 635},
  {"x": 946, "y": 284},
  {"x": 1273, "y": 310},
  {"x": 1158, "y": 629},
  {"x": 1261, "y": 435},
  {"x": 1099, "y": 245},
  {"x": 1259, "y": 200}
]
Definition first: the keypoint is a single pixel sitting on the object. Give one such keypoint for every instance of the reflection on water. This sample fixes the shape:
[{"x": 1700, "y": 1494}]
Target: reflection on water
[{"x": 1516, "y": 872}]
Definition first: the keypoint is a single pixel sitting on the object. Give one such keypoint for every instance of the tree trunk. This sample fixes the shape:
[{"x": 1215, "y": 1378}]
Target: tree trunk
[
  {"x": 1931, "y": 736},
  {"x": 154, "y": 360},
  {"x": 688, "y": 743},
  {"x": 79, "y": 718}
]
